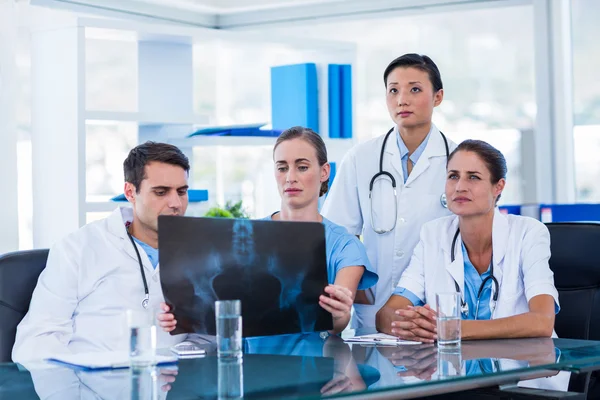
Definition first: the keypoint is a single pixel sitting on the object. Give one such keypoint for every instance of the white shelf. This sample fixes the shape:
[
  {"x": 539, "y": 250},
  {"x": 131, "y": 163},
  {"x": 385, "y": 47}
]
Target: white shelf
[
  {"x": 144, "y": 118},
  {"x": 204, "y": 141},
  {"x": 102, "y": 206}
]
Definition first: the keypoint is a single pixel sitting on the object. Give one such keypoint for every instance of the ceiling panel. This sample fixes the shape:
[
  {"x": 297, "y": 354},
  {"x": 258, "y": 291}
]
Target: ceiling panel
[{"x": 227, "y": 6}]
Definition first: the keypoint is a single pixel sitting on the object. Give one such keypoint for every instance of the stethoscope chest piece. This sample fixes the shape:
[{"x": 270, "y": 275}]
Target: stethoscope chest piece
[
  {"x": 145, "y": 302},
  {"x": 444, "y": 200}
]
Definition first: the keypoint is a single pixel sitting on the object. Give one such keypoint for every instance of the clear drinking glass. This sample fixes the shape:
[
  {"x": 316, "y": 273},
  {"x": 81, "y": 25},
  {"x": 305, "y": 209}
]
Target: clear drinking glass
[
  {"x": 228, "y": 314},
  {"x": 231, "y": 379},
  {"x": 142, "y": 338},
  {"x": 448, "y": 319}
]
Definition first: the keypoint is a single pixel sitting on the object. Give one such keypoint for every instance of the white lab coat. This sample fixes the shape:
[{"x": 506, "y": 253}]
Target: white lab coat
[
  {"x": 521, "y": 250},
  {"x": 92, "y": 276},
  {"x": 418, "y": 201}
]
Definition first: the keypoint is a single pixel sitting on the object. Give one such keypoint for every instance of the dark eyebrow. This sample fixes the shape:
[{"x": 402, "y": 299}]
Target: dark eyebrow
[
  {"x": 299, "y": 160},
  {"x": 468, "y": 172},
  {"x": 168, "y": 187},
  {"x": 392, "y": 83},
  {"x": 281, "y": 162},
  {"x": 412, "y": 83}
]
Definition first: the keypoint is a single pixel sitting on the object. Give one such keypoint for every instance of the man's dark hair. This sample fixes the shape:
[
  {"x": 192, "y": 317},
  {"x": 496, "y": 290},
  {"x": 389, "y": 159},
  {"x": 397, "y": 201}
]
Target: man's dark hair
[
  {"x": 420, "y": 62},
  {"x": 143, "y": 154}
]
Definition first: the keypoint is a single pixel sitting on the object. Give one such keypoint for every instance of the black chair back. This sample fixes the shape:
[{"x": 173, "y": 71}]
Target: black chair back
[
  {"x": 19, "y": 272},
  {"x": 575, "y": 262}
]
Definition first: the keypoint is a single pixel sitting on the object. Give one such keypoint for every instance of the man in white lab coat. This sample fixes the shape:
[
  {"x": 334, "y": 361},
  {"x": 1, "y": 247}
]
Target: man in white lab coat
[{"x": 96, "y": 273}]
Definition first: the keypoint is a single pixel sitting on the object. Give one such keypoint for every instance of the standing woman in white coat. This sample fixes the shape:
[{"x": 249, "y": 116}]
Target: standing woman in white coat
[
  {"x": 387, "y": 188},
  {"x": 497, "y": 263}
]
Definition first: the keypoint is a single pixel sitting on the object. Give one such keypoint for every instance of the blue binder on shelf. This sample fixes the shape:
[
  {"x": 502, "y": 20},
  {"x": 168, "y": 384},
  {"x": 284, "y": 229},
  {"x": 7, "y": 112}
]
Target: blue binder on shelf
[
  {"x": 569, "y": 212},
  {"x": 335, "y": 101},
  {"x": 346, "y": 100},
  {"x": 510, "y": 209},
  {"x": 340, "y": 100},
  {"x": 294, "y": 96},
  {"x": 332, "y": 172}
]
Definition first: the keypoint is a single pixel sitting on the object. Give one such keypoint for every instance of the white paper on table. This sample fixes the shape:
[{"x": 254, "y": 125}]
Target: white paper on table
[
  {"x": 104, "y": 360},
  {"x": 380, "y": 339}
]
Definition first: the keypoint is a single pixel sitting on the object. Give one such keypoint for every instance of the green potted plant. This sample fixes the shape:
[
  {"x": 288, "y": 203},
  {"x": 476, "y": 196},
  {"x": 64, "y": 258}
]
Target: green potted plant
[{"x": 231, "y": 210}]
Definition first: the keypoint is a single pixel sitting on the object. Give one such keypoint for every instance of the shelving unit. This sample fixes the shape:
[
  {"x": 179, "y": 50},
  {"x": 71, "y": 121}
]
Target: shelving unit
[
  {"x": 146, "y": 118},
  {"x": 164, "y": 110}
]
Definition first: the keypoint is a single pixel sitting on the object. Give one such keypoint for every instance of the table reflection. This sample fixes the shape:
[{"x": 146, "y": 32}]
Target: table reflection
[
  {"x": 303, "y": 365},
  {"x": 55, "y": 382}
]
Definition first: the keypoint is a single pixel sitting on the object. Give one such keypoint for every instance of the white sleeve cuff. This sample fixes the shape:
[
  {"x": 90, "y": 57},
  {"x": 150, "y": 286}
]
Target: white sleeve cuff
[{"x": 542, "y": 288}]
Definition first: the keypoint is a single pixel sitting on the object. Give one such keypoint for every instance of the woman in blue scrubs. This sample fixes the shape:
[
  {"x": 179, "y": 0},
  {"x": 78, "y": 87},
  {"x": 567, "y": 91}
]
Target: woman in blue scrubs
[{"x": 302, "y": 174}]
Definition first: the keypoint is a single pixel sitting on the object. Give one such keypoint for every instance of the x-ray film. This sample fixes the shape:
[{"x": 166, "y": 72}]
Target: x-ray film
[{"x": 277, "y": 269}]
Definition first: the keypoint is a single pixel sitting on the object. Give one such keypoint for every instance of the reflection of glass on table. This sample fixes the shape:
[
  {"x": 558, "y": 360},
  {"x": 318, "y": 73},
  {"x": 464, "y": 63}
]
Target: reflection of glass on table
[
  {"x": 449, "y": 362},
  {"x": 231, "y": 379}
]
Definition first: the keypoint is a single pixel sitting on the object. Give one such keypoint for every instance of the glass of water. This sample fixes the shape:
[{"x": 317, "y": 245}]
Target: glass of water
[
  {"x": 142, "y": 338},
  {"x": 228, "y": 314},
  {"x": 448, "y": 319}
]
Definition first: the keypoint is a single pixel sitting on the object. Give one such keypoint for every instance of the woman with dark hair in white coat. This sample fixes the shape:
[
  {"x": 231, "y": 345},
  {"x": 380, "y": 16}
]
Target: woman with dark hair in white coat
[{"x": 498, "y": 264}]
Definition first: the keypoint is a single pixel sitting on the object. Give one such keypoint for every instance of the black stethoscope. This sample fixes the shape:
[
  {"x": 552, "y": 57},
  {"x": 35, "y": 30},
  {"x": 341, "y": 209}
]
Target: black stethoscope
[
  {"x": 464, "y": 307},
  {"x": 381, "y": 172},
  {"x": 137, "y": 253}
]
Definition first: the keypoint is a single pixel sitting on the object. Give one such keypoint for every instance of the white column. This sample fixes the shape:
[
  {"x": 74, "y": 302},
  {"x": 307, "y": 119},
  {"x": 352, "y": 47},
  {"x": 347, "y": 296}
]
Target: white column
[
  {"x": 554, "y": 159},
  {"x": 165, "y": 86},
  {"x": 9, "y": 226},
  {"x": 58, "y": 132}
]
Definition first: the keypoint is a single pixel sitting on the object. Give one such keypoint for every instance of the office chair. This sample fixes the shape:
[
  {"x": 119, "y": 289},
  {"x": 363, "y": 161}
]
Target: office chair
[
  {"x": 19, "y": 272},
  {"x": 575, "y": 261}
]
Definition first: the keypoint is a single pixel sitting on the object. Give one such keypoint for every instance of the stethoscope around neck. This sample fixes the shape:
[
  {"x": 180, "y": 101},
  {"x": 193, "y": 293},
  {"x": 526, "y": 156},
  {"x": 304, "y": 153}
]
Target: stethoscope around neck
[
  {"x": 464, "y": 307},
  {"x": 382, "y": 172},
  {"x": 146, "y": 299}
]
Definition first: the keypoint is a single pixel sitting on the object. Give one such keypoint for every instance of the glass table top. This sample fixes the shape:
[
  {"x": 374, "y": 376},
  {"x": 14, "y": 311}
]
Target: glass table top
[{"x": 308, "y": 366}]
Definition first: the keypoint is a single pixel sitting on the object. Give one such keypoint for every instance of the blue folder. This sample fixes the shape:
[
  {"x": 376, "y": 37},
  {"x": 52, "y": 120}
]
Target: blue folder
[
  {"x": 294, "y": 96},
  {"x": 346, "y": 100},
  {"x": 340, "y": 101},
  {"x": 335, "y": 101}
]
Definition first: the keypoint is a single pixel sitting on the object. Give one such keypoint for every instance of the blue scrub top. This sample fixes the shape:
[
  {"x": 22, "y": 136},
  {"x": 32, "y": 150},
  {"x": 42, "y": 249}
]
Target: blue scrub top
[
  {"x": 472, "y": 284},
  {"x": 414, "y": 157},
  {"x": 151, "y": 252},
  {"x": 344, "y": 250}
]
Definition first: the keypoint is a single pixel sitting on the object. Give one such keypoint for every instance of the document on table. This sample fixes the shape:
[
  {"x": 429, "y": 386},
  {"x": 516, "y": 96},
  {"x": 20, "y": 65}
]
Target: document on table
[
  {"x": 380, "y": 339},
  {"x": 103, "y": 360}
]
